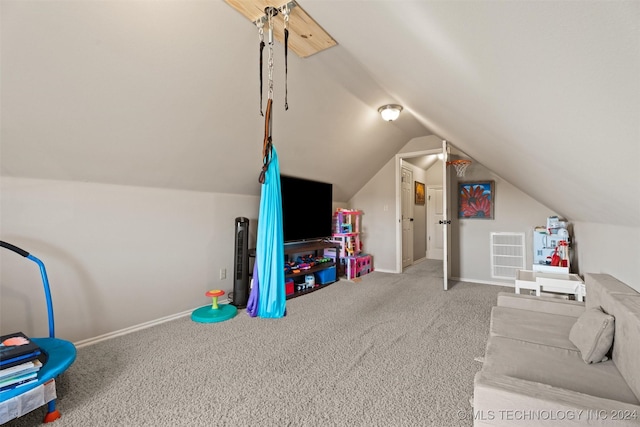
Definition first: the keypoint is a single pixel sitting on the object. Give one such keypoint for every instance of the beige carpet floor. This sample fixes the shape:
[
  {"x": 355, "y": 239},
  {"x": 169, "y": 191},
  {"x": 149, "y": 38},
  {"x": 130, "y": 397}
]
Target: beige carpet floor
[{"x": 388, "y": 350}]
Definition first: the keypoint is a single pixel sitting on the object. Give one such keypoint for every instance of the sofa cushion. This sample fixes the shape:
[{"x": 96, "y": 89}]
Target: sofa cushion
[
  {"x": 557, "y": 367},
  {"x": 532, "y": 326},
  {"x": 593, "y": 335}
]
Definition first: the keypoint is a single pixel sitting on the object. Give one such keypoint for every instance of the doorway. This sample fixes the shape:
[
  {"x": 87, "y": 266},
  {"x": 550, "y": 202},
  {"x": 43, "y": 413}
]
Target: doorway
[
  {"x": 404, "y": 192},
  {"x": 407, "y": 216}
]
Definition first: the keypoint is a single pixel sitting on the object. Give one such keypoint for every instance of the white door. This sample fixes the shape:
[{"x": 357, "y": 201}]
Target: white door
[
  {"x": 407, "y": 217},
  {"x": 446, "y": 216},
  {"x": 435, "y": 215}
]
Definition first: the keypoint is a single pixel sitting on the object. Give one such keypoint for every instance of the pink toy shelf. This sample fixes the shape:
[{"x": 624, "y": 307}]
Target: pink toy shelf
[{"x": 346, "y": 232}]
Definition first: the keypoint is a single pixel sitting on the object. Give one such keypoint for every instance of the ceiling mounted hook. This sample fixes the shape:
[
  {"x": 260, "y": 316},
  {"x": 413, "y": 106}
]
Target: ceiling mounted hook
[{"x": 271, "y": 11}]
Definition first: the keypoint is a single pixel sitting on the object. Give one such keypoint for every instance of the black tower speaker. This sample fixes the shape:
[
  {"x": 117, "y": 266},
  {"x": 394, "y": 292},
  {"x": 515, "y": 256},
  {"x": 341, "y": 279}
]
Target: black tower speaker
[{"x": 241, "y": 264}]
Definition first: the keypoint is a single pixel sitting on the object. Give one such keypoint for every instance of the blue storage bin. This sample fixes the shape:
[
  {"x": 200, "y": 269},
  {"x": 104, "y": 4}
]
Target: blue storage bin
[{"x": 326, "y": 276}]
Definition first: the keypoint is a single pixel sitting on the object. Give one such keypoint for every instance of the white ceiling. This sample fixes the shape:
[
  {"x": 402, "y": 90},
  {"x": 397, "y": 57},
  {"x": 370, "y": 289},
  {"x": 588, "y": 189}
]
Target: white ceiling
[{"x": 165, "y": 94}]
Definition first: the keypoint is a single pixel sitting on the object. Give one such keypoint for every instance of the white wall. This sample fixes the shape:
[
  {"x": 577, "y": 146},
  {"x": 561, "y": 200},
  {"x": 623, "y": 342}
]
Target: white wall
[
  {"x": 514, "y": 211},
  {"x": 434, "y": 174},
  {"x": 422, "y": 143},
  {"x": 377, "y": 201},
  {"x": 116, "y": 256},
  {"x": 610, "y": 249},
  {"x": 598, "y": 248}
]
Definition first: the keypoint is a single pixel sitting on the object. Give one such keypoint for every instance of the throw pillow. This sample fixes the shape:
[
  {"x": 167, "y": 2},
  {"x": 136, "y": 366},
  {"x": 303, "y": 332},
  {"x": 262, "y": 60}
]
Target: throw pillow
[{"x": 593, "y": 335}]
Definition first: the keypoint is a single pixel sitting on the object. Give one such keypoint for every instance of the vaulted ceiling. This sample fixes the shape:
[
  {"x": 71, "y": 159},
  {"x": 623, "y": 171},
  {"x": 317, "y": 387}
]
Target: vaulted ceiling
[{"x": 166, "y": 94}]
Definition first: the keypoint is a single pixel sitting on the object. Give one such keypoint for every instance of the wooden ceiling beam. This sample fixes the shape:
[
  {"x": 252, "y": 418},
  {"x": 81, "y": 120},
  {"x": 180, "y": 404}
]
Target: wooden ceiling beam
[{"x": 306, "y": 36}]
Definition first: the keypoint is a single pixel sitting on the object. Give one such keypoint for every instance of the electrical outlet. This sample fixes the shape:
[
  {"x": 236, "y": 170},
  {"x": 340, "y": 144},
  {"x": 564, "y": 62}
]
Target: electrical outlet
[{"x": 223, "y": 273}]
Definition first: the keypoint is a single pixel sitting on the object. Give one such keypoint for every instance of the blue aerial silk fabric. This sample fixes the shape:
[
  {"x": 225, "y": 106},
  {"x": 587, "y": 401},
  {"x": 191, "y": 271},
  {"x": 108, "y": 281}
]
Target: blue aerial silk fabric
[{"x": 267, "y": 297}]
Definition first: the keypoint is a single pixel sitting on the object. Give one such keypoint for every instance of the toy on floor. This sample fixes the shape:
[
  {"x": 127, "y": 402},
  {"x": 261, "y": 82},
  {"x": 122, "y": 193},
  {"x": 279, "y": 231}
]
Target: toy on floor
[
  {"x": 215, "y": 312},
  {"x": 58, "y": 355}
]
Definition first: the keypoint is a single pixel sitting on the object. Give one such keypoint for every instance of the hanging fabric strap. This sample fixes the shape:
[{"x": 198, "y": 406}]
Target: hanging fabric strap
[
  {"x": 286, "y": 50},
  {"x": 286, "y": 12},
  {"x": 267, "y": 144},
  {"x": 261, "y": 49}
]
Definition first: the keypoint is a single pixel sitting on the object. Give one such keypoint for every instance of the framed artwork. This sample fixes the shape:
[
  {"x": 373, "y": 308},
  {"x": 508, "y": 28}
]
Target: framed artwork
[
  {"x": 476, "y": 200},
  {"x": 419, "y": 193}
]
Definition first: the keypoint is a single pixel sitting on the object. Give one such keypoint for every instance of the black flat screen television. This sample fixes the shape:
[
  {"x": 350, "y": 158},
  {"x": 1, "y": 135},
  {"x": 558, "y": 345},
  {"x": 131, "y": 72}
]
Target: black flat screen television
[{"x": 306, "y": 209}]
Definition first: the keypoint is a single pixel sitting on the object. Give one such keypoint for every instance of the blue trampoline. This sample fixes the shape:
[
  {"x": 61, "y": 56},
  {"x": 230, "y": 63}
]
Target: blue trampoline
[{"x": 59, "y": 353}]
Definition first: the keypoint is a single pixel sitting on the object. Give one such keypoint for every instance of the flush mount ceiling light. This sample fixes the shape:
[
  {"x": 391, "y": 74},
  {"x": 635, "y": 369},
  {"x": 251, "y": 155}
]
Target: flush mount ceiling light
[{"x": 390, "y": 112}]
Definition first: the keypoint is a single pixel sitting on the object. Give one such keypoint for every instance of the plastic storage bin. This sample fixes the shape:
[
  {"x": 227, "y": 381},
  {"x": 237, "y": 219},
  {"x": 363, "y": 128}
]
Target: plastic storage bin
[
  {"x": 288, "y": 286},
  {"x": 326, "y": 276}
]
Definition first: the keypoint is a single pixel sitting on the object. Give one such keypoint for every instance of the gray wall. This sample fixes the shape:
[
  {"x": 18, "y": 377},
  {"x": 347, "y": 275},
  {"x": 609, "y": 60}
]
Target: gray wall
[
  {"x": 377, "y": 201},
  {"x": 611, "y": 249},
  {"x": 119, "y": 256},
  {"x": 514, "y": 211},
  {"x": 116, "y": 256}
]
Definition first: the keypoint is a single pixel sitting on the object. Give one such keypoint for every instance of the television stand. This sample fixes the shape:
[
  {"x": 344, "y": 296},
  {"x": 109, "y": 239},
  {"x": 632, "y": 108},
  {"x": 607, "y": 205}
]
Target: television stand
[{"x": 316, "y": 248}]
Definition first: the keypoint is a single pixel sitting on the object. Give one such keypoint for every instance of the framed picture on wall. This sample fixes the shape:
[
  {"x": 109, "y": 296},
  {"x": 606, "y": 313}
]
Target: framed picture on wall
[
  {"x": 476, "y": 200},
  {"x": 419, "y": 193}
]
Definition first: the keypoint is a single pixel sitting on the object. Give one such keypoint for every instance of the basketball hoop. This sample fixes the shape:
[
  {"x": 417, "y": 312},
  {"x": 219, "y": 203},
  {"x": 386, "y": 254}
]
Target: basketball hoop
[{"x": 460, "y": 165}]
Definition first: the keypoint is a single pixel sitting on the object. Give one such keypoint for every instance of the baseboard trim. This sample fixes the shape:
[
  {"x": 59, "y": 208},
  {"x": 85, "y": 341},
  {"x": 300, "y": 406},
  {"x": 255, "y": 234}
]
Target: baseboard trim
[
  {"x": 134, "y": 328},
  {"x": 382, "y": 270},
  {"x": 483, "y": 282}
]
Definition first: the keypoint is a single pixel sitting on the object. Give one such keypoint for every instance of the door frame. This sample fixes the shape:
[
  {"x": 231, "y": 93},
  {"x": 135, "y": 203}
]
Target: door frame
[
  {"x": 398, "y": 185},
  {"x": 447, "y": 202}
]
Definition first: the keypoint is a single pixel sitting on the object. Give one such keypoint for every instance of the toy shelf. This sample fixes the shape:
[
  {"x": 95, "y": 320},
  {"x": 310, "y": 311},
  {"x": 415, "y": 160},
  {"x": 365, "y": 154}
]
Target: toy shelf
[
  {"x": 317, "y": 248},
  {"x": 314, "y": 269},
  {"x": 346, "y": 222}
]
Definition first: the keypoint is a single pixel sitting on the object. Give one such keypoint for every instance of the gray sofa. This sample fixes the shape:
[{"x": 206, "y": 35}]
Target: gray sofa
[{"x": 534, "y": 374}]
